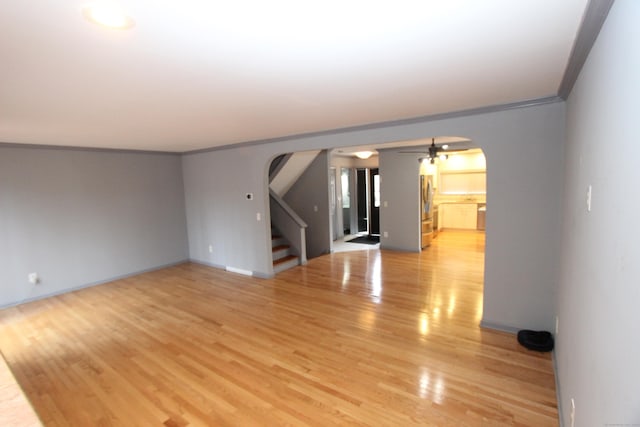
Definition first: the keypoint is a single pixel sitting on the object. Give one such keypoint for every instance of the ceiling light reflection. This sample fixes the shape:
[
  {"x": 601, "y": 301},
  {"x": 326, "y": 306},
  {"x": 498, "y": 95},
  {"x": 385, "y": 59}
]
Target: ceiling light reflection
[
  {"x": 479, "y": 310},
  {"x": 423, "y": 390},
  {"x": 438, "y": 391},
  {"x": 367, "y": 319},
  {"x": 346, "y": 275},
  {"x": 376, "y": 279},
  {"x": 423, "y": 324},
  {"x": 452, "y": 305}
]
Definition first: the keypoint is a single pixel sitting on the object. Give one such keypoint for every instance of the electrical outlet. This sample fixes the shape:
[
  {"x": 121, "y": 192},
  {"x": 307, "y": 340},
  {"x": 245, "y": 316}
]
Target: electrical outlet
[
  {"x": 573, "y": 412},
  {"x": 589, "y": 198},
  {"x": 557, "y": 324},
  {"x": 210, "y": 249},
  {"x": 385, "y": 234},
  {"x": 33, "y": 278},
  {"x": 258, "y": 216}
]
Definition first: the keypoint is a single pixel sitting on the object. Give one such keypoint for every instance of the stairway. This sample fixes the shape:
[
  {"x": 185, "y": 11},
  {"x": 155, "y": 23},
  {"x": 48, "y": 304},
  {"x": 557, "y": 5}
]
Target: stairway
[{"x": 283, "y": 258}]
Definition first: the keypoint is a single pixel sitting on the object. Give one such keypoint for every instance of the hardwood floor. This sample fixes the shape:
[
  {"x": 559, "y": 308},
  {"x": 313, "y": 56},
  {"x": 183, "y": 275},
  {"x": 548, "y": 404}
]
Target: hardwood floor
[{"x": 353, "y": 338}]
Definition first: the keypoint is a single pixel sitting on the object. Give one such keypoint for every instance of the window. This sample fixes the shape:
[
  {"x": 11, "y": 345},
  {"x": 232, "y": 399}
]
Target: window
[
  {"x": 346, "y": 196},
  {"x": 376, "y": 191}
]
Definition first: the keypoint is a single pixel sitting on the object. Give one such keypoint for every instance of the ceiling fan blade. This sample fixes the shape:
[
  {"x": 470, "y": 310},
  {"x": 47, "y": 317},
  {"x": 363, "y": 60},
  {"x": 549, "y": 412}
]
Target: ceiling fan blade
[{"x": 455, "y": 150}]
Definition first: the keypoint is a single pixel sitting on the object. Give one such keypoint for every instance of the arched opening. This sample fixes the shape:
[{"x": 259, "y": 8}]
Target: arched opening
[{"x": 436, "y": 207}]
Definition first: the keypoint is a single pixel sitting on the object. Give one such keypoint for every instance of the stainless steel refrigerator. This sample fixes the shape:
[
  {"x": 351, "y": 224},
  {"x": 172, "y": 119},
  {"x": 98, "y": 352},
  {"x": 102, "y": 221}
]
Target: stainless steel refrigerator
[{"x": 426, "y": 210}]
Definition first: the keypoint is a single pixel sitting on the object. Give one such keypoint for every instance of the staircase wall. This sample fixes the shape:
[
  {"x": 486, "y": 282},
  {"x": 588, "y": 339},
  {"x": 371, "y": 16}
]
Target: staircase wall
[
  {"x": 293, "y": 167},
  {"x": 309, "y": 198}
]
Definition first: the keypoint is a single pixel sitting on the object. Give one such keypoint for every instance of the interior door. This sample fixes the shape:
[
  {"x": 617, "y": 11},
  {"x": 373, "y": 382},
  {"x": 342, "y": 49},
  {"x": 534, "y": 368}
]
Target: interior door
[{"x": 374, "y": 200}]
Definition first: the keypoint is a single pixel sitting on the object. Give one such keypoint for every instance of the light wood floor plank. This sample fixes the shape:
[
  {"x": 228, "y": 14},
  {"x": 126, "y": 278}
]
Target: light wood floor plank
[{"x": 355, "y": 338}]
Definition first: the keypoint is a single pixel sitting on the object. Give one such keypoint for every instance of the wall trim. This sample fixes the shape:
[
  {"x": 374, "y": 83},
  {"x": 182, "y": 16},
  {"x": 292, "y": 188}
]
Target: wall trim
[
  {"x": 259, "y": 275},
  {"x": 554, "y": 359},
  {"x": 255, "y": 274},
  {"x": 594, "y": 16},
  {"x": 207, "y": 264},
  {"x": 92, "y": 149},
  {"x": 239, "y": 271},
  {"x": 398, "y": 249},
  {"x": 92, "y": 284},
  {"x": 380, "y": 125},
  {"x": 499, "y": 327}
]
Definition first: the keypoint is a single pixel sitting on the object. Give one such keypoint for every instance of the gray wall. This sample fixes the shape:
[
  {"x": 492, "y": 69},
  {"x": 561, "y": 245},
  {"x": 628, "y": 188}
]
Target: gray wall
[
  {"x": 524, "y": 150},
  {"x": 310, "y": 191},
  {"x": 597, "y": 343},
  {"x": 78, "y": 217},
  {"x": 400, "y": 190},
  {"x": 219, "y": 214}
]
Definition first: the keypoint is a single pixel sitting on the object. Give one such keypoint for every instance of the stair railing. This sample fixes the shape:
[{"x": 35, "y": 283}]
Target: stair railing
[{"x": 289, "y": 223}]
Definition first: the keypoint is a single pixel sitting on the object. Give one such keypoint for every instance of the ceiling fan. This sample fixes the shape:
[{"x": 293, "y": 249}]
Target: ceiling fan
[{"x": 433, "y": 152}]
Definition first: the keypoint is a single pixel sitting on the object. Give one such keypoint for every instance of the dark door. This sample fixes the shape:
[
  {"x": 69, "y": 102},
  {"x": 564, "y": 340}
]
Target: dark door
[
  {"x": 361, "y": 190},
  {"x": 374, "y": 199}
]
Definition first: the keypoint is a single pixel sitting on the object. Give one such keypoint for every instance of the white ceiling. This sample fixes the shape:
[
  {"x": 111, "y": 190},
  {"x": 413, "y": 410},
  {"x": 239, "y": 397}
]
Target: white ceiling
[{"x": 195, "y": 74}]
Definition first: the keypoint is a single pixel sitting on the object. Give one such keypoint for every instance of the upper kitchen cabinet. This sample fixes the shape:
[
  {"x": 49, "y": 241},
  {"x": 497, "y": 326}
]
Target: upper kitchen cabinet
[
  {"x": 463, "y": 174},
  {"x": 461, "y": 190}
]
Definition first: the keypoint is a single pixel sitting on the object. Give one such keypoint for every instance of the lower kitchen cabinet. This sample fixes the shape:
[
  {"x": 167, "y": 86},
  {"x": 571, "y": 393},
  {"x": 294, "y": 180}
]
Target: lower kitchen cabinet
[{"x": 459, "y": 215}]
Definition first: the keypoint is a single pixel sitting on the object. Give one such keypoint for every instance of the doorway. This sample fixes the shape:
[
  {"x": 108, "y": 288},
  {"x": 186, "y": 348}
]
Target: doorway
[
  {"x": 368, "y": 200},
  {"x": 345, "y": 183},
  {"x": 334, "y": 202},
  {"x": 374, "y": 202},
  {"x": 362, "y": 200}
]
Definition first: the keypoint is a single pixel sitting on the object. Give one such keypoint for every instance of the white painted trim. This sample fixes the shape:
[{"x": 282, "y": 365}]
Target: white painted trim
[
  {"x": 91, "y": 284},
  {"x": 238, "y": 271}
]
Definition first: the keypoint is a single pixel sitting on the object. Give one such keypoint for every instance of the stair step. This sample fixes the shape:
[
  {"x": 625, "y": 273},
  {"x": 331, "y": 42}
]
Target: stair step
[
  {"x": 280, "y": 251},
  {"x": 278, "y": 241},
  {"x": 285, "y": 263}
]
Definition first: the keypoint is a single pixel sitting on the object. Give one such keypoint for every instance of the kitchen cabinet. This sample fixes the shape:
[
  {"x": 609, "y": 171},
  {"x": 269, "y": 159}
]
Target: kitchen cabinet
[{"x": 459, "y": 215}]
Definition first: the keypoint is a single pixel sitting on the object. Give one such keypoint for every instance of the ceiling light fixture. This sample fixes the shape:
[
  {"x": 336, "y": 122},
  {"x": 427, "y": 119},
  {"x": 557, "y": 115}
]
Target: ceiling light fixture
[
  {"x": 363, "y": 154},
  {"x": 108, "y": 14}
]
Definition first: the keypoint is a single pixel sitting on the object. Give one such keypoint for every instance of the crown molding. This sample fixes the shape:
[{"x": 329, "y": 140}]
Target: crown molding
[{"x": 592, "y": 21}]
